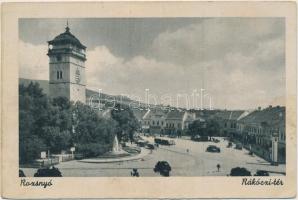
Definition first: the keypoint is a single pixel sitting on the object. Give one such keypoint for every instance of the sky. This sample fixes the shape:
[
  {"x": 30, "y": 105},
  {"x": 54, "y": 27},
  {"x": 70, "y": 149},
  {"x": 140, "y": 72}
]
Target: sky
[{"x": 238, "y": 62}]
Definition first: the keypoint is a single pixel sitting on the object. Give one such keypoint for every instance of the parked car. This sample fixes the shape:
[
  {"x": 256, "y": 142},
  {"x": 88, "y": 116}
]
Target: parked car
[
  {"x": 163, "y": 167},
  {"x": 150, "y": 146},
  {"x": 198, "y": 138},
  {"x": 134, "y": 172},
  {"x": 142, "y": 143},
  {"x": 261, "y": 173},
  {"x": 21, "y": 173},
  {"x": 230, "y": 144},
  {"x": 238, "y": 146},
  {"x": 48, "y": 172},
  {"x": 172, "y": 136},
  {"x": 157, "y": 140},
  {"x": 195, "y": 138},
  {"x": 213, "y": 149},
  {"x": 240, "y": 171},
  {"x": 216, "y": 140},
  {"x": 164, "y": 141}
]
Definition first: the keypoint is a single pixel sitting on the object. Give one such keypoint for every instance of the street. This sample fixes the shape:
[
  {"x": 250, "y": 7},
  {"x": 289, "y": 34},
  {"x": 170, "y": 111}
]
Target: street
[{"x": 195, "y": 162}]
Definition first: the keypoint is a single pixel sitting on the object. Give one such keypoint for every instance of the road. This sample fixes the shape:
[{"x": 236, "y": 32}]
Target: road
[{"x": 196, "y": 162}]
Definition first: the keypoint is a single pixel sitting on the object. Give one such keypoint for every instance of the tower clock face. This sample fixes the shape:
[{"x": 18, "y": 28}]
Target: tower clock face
[{"x": 78, "y": 76}]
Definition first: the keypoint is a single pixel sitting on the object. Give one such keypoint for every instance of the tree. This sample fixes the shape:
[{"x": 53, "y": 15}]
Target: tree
[
  {"x": 44, "y": 124},
  {"x": 127, "y": 123},
  {"x": 57, "y": 124},
  {"x": 212, "y": 128},
  {"x": 93, "y": 134},
  {"x": 197, "y": 127},
  {"x": 30, "y": 148},
  {"x": 32, "y": 107},
  {"x": 203, "y": 128}
]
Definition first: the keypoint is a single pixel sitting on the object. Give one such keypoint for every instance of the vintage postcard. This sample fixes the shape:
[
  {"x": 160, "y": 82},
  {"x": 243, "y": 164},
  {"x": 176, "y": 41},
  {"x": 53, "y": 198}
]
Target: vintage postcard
[{"x": 148, "y": 100}]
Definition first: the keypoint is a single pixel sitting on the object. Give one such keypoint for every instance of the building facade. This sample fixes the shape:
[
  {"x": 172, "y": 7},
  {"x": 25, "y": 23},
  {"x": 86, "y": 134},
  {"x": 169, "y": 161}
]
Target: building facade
[
  {"x": 67, "y": 58},
  {"x": 227, "y": 121},
  {"x": 257, "y": 131},
  {"x": 154, "y": 121}
]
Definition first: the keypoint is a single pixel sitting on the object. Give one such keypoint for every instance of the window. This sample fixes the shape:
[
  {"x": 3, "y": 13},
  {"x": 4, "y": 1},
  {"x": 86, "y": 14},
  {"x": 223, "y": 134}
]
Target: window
[
  {"x": 59, "y": 74},
  {"x": 157, "y": 122}
]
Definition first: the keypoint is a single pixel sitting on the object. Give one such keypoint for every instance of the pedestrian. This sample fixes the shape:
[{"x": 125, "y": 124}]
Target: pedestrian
[{"x": 218, "y": 167}]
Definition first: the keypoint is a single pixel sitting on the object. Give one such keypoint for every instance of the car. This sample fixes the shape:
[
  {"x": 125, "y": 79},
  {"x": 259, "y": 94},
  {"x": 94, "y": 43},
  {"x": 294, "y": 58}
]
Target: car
[
  {"x": 157, "y": 140},
  {"x": 238, "y": 146},
  {"x": 261, "y": 173},
  {"x": 198, "y": 138},
  {"x": 172, "y": 136},
  {"x": 240, "y": 171},
  {"x": 48, "y": 172},
  {"x": 230, "y": 145},
  {"x": 216, "y": 140},
  {"x": 195, "y": 138},
  {"x": 163, "y": 167},
  {"x": 150, "y": 146},
  {"x": 164, "y": 141},
  {"x": 21, "y": 173},
  {"x": 213, "y": 149},
  {"x": 141, "y": 143}
]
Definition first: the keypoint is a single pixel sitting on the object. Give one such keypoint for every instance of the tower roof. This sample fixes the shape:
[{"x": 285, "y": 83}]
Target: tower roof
[{"x": 67, "y": 38}]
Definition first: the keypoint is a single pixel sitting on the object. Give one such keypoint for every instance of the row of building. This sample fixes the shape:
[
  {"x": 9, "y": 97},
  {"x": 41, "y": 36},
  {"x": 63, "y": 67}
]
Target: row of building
[
  {"x": 255, "y": 129},
  {"x": 171, "y": 122}
]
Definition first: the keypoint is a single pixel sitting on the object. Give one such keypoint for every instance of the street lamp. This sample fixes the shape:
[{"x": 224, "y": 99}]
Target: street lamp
[
  {"x": 72, "y": 149},
  {"x": 274, "y": 149}
]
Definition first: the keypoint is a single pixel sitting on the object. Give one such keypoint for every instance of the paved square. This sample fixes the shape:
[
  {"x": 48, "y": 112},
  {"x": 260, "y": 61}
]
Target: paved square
[{"x": 196, "y": 162}]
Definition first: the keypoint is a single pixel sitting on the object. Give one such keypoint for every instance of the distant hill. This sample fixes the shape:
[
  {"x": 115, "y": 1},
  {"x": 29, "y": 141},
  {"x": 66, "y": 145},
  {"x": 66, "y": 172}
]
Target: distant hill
[{"x": 44, "y": 84}]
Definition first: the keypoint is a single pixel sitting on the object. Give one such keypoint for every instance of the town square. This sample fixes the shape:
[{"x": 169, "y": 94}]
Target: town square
[{"x": 151, "y": 106}]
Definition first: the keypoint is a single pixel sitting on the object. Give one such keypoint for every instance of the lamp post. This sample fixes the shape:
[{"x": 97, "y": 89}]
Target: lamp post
[
  {"x": 274, "y": 149},
  {"x": 72, "y": 149}
]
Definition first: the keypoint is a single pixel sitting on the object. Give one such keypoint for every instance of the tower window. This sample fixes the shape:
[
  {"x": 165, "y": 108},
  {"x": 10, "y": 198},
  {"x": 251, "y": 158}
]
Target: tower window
[{"x": 59, "y": 74}]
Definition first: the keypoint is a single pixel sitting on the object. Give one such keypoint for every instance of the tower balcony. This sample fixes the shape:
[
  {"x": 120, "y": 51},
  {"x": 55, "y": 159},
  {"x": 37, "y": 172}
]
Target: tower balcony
[{"x": 73, "y": 52}]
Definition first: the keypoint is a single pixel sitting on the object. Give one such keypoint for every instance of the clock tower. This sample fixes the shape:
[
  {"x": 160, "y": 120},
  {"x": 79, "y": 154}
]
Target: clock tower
[{"x": 67, "y": 67}]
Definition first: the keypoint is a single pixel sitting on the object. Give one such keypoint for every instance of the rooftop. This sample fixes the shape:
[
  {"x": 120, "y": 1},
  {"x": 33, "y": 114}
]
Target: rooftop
[
  {"x": 67, "y": 38},
  {"x": 229, "y": 115},
  {"x": 175, "y": 114},
  {"x": 267, "y": 116}
]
